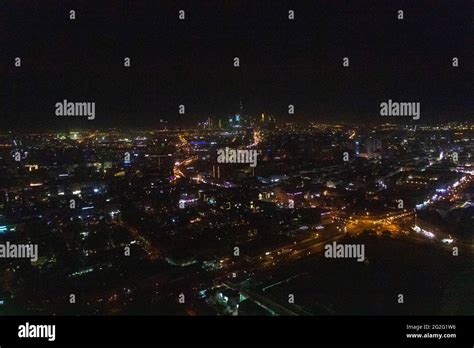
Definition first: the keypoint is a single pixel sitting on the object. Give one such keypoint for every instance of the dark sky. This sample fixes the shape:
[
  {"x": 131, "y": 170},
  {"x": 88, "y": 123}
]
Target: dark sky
[{"x": 191, "y": 62}]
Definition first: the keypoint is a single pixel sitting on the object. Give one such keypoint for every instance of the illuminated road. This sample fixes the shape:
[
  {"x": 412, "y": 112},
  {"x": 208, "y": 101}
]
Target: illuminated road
[
  {"x": 287, "y": 253},
  {"x": 263, "y": 301},
  {"x": 152, "y": 251}
]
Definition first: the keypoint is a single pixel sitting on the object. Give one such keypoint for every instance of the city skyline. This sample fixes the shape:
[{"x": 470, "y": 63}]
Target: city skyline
[{"x": 198, "y": 215}]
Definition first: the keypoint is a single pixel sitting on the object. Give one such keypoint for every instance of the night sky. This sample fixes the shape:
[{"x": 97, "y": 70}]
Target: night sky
[{"x": 190, "y": 62}]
